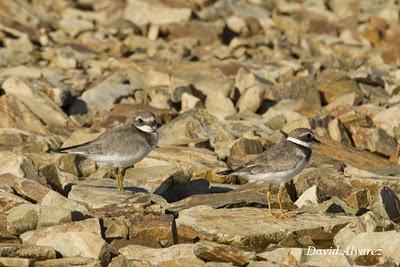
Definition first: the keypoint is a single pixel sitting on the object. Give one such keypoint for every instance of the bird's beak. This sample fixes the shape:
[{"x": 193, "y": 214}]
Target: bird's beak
[{"x": 317, "y": 141}]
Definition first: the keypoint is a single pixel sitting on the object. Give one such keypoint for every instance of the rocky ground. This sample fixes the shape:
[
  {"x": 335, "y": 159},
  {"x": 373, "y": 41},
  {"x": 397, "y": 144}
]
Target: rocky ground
[{"x": 226, "y": 79}]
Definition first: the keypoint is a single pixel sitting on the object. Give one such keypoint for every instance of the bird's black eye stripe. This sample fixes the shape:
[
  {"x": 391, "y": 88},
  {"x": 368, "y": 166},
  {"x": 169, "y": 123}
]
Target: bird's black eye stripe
[{"x": 140, "y": 120}]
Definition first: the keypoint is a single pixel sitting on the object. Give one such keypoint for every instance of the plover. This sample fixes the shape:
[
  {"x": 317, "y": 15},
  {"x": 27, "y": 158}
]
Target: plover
[
  {"x": 279, "y": 164},
  {"x": 122, "y": 146}
]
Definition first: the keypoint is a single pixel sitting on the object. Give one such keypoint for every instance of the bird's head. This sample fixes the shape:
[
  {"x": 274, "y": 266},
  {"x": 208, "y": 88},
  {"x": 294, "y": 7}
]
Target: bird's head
[
  {"x": 303, "y": 137},
  {"x": 146, "y": 122}
]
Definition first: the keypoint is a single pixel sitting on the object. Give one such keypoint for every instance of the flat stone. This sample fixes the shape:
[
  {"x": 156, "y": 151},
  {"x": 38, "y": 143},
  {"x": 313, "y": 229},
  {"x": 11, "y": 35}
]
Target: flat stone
[
  {"x": 254, "y": 229},
  {"x": 142, "y": 13},
  {"x": 16, "y": 262},
  {"x": 70, "y": 261},
  {"x": 177, "y": 255},
  {"x": 157, "y": 180},
  {"x": 138, "y": 203},
  {"x": 22, "y": 218},
  {"x": 17, "y": 141},
  {"x": 153, "y": 231},
  {"x": 195, "y": 161},
  {"x": 358, "y": 199},
  {"x": 287, "y": 256},
  {"x": 81, "y": 238},
  {"x": 27, "y": 251},
  {"x": 50, "y": 215},
  {"x": 54, "y": 199},
  {"x": 211, "y": 251},
  {"x": 219, "y": 102},
  {"x": 189, "y": 101},
  {"x": 96, "y": 193},
  {"x": 36, "y": 101}
]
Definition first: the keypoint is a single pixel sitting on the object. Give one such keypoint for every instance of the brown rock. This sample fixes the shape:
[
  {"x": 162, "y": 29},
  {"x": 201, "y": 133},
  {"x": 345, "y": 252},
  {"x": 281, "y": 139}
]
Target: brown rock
[
  {"x": 24, "y": 251},
  {"x": 153, "y": 231},
  {"x": 211, "y": 251},
  {"x": 333, "y": 83},
  {"x": 358, "y": 199}
]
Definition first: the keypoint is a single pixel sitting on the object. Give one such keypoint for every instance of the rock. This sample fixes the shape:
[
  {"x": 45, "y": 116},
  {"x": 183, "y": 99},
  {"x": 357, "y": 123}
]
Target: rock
[
  {"x": 331, "y": 206},
  {"x": 211, "y": 251},
  {"x": 358, "y": 200},
  {"x": 9, "y": 201},
  {"x": 56, "y": 200},
  {"x": 16, "y": 262},
  {"x": 374, "y": 247},
  {"x": 177, "y": 255},
  {"x": 333, "y": 83},
  {"x": 386, "y": 204},
  {"x": 14, "y": 114},
  {"x": 23, "y": 251},
  {"x": 251, "y": 99},
  {"x": 236, "y": 24},
  {"x": 196, "y": 126},
  {"x": 139, "y": 203},
  {"x": 74, "y": 25},
  {"x": 195, "y": 161},
  {"x": 59, "y": 180},
  {"x": 373, "y": 139},
  {"x": 254, "y": 229},
  {"x": 81, "y": 238},
  {"x": 19, "y": 166},
  {"x": 96, "y": 193},
  {"x": 189, "y": 101},
  {"x": 153, "y": 231},
  {"x": 287, "y": 256},
  {"x": 387, "y": 120},
  {"x": 25, "y": 188},
  {"x": 102, "y": 96},
  {"x": 17, "y": 141},
  {"x": 22, "y": 218},
  {"x": 338, "y": 132},
  {"x": 233, "y": 198},
  {"x": 311, "y": 195},
  {"x": 70, "y": 261},
  {"x": 142, "y": 13},
  {"x": 219, "y": 102},
  {"x": 50, "y": 215},
  {"x": 244, "y": 146},
  {"x": 25, "y": 90},
  {"x": 116, "y": 227},
  {"x": 157, "y": 180},
  {"x": 349, "y": 156}
]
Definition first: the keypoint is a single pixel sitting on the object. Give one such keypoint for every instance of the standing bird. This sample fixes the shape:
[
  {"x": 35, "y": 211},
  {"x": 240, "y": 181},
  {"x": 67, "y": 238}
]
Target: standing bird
[
  {"x": 279, "y": 164},
  {"x": 121, "y": 146}
]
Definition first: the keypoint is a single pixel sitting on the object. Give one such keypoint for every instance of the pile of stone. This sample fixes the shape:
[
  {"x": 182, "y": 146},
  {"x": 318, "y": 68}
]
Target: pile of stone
[{"x": 227, "y": 80}]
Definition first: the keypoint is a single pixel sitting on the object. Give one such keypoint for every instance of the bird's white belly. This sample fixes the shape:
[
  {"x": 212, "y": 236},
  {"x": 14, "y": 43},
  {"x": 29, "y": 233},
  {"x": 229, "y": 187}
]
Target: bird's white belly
[
  {"x": 118, "y": 160},
  {"x": 278, "y": 177}
]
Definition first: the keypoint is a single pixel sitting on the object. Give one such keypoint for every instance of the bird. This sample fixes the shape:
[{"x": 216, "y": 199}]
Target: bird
[
  {"x": 278, "y": 164},
  {"x": 122, "y": 146}
]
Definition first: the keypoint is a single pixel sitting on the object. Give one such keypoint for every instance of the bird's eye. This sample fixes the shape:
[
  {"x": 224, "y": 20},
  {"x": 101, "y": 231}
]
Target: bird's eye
[
  {"x": 140, "y": 120},
  {"x": 309, "y": 136}
]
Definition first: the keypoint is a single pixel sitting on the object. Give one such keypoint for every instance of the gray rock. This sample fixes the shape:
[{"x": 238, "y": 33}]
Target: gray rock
[
  {"x": 22, "y": 218},
  {"x": 116, "y": 227},
  {"x": 81, "y": 238}
]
